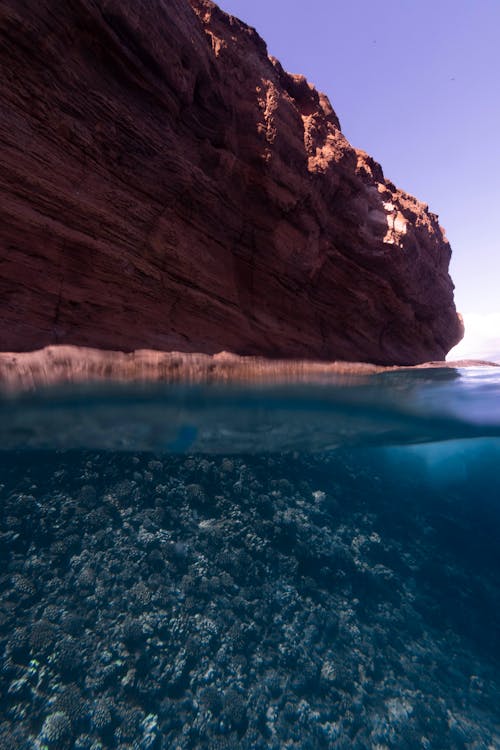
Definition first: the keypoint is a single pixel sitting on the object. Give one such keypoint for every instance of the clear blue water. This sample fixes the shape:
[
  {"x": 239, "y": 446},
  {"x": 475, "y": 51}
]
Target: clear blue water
[{"x": 268, "y": 567}]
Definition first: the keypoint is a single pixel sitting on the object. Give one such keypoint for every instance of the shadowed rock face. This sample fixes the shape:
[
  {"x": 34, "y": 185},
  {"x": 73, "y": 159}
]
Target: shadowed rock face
[{"x": 166, "y": 184}]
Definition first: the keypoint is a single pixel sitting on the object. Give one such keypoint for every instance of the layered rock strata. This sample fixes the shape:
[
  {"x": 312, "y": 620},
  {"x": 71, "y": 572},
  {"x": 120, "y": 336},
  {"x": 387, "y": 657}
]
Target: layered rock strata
[{"x": 165, "y": 184}]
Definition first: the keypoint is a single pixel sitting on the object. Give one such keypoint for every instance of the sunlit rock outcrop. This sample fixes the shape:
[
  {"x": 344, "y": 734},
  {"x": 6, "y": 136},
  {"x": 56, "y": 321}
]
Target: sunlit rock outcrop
[{"x": 164, "y": 183}]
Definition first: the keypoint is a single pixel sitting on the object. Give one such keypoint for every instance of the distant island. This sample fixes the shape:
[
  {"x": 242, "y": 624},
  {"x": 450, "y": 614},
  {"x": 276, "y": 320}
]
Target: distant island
[{"x": 167, "y": 185}]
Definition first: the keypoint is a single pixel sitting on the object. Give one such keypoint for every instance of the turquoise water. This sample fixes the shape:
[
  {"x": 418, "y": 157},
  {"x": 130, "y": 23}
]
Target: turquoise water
[{"x": 264, "y": 567}]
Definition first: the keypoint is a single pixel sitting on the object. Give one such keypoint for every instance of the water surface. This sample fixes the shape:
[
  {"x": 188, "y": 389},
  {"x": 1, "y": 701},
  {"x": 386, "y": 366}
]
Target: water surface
[{"x": 259, "y": 567}]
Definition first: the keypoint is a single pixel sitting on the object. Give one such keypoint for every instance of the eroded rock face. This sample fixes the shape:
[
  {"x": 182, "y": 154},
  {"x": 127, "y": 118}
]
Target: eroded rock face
[{"x": 166, "y": 184}]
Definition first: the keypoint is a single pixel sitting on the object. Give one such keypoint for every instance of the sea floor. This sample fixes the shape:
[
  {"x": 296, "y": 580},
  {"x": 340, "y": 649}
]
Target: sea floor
[{"x": 347, "y": 599}]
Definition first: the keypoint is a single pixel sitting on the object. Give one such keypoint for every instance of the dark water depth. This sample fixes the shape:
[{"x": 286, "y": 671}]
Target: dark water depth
[{"x": 331, "y": 582}]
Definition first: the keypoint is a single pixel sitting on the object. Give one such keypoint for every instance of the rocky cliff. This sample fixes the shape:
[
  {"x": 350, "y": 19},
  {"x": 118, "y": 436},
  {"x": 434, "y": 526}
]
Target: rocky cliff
[{"x": 166, "y": 184}]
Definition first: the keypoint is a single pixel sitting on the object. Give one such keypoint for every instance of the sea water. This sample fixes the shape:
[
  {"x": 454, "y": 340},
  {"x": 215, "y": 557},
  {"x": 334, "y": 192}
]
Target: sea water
[{"x": 252, "y": 567}]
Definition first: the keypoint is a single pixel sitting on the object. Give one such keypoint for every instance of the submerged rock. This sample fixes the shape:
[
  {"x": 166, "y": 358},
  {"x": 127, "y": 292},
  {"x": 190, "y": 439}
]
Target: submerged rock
[
  {"x": 22, "y": 371},
  {"x": 166, "y": 184}
]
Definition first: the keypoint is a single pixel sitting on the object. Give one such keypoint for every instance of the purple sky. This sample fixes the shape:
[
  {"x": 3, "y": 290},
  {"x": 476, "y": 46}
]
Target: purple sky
[{"x": 416, "y": 83}]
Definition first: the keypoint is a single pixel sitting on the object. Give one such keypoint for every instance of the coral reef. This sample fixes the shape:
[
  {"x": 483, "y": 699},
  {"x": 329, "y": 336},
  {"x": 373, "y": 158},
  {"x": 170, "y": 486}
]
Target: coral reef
[{"x": 266, "y": 602}]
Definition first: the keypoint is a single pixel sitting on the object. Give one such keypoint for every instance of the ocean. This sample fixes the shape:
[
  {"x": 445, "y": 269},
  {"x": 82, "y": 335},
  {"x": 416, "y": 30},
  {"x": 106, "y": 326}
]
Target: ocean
[{"x": 252, "y": 566}]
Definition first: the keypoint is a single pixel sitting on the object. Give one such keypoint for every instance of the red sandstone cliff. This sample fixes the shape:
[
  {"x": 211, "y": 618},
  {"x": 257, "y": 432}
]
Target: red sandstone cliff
[{"x": 164, "y": 184}]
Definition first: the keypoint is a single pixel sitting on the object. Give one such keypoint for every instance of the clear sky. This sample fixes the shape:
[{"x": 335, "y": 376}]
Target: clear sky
[{"x": 416, "y": 83}]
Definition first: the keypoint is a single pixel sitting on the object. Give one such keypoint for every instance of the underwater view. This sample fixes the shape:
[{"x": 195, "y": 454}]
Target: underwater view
[
  {"x": 249, "y": 375},
  {"x": 299, "y": 566}
]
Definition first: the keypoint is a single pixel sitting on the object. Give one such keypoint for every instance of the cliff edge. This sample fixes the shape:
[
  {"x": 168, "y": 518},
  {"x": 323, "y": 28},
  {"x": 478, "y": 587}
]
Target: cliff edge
[{"x": 164, "y": 183}]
